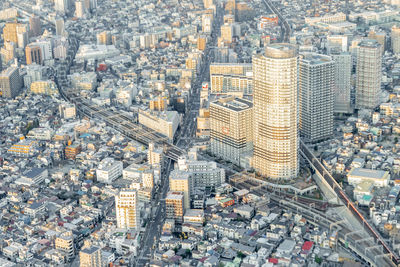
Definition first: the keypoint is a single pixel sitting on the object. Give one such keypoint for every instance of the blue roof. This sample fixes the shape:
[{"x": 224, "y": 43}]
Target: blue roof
[{"x": 85, "y": 135}]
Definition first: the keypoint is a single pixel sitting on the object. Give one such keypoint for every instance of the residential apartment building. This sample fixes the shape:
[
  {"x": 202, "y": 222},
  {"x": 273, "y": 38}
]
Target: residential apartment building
[
  {"x": 231, "y": 128},
  {"x": 316, "y": 85},
  {"x": 368, "y": 74},
  {"x": 65, "y": 242},
  {"x": 127, "y": 209},
  {"x": 276, "y": 112},
  {"x": 181, "y": 181},
  {"x": 10, "y": 82},
  {"x": 174, "y": 206},
  {"x": 342, "y": 85}
]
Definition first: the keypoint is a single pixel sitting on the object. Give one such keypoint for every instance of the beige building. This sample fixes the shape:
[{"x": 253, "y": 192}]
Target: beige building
[
  {"x": 276, "y": 112},
  {"x": 10, "y": 32},
  {"x": 228, "y": 83},
  {"x": 154, "y": 155},
  {"x": 181, "y": 181},
  {"x": 230, "y": 68},
  {"x": 127, "y": 209},
  {"x": 166, "y": 122},
  {"x": 231, "y": 77},
  {"x": 380, "y": 37},
  {"x": 226, "y": 33},
  {"x": 368, "y": 74},
  {"x": 203, "y": 122},
  {"x": 44, "y": 88},
  {"x": 174, "y": 206},
  {"x": 231, "y": 128},
  {"x": 90, "y": 257},
  {"x": 65, "y": 242},
  {"x": 8, "y": 51},
  {"x": 395, "y": 36},
  {"x": 208, "y": 3}
]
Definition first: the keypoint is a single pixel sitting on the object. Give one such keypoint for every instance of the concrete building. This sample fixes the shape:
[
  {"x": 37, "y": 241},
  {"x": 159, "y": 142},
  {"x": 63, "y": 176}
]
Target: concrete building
[
  {"x": 79, "y": 9},
  {"x": 181, "y": 181},
  {"x": 369, "y": 74},
  {"x": 231, "y": 128},
  {"x": 10, "y": 82},
  {"x": 174, "y": 208},
  {"x": 166, "y": 122},
  {"x": 205, "y": 174},
  {"x": 378, "y": 178},
  {"x": 65, "y": 242},
  {"x": 61, "y": 6},
  {"x": 10, "y": 32},
  {"x": 44, "y": 88},
  {"x": 90, "y": 257},
  {"x": 155, "y": 155},
  {"x": 33, "y": 54},
  {"x": 59, "y": 26},
  {"x": 35, "y": 26},
  {"x": 67, "y": 111},
  {"x": 24, "y": 148},
  {"x": 108, "y": 170},
  {"x": 395, "y": 39},
  {"x": 8, "y": 52},
  {"x": 127, "y": 209},
  {"x": 342, "y": 86},
  {"x": 316, "y": 84},
  {"x": 276, "y": 112}
]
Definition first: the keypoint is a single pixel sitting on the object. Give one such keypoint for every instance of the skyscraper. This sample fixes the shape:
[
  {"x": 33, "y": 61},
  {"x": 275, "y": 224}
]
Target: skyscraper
[
  {"x": 342, "y": 88},
  {"x": 127, "y": 210},
  {"x": 369, "y": 73},
  {"x": 59, "y": 26},
  {"x": 10, "y": 32},
  {"x": 34, "y": 26},
  {"x": 10, "y": 82},
  {"x": 276, "y": 112},
  {"x": 33, "y": 54},
  {"x": 395, "y": 36},
  {"x": 62, "y": 6},
  {"x": 316, "y": 84},
  {"x": 79, "y": 9}
]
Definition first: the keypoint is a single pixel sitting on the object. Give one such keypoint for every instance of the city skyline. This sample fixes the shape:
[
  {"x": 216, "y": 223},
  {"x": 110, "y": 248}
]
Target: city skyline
[{"x": 199, "y": 133}]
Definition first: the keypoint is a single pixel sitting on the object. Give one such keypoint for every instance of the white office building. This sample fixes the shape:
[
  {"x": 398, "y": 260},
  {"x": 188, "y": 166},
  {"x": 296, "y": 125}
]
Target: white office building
[{"x": 108, "y": 170}]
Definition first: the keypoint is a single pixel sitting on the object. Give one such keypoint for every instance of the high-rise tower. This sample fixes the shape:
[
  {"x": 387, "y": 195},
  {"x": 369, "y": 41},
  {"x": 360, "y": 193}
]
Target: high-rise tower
[
  {"x": 276, "y": 112},
  {"x": 316, "y": 85},
  {"x": 369, "y": 74}
]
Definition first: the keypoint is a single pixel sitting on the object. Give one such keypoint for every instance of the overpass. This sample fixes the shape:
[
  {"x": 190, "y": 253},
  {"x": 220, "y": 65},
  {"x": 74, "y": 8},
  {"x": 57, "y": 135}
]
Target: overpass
[{"x": 328, "y": 178}]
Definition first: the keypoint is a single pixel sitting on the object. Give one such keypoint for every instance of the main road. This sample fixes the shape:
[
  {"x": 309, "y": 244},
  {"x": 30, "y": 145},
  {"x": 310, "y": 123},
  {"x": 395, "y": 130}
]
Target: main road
[
  {"x": 286, "y": 30},
  {"x": 188, "y": 126}
]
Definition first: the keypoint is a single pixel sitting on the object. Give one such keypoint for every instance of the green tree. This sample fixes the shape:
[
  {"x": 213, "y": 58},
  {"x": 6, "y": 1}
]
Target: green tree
[{"x": 318, "y": 259}]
